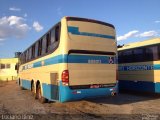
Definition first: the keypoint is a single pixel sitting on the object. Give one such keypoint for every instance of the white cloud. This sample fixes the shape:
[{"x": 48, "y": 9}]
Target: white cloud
[
  {"x": 1, "y": 39},
  {"x": 59, "y": 11},
  {"x": 13, "y": 26},
  {"x": 151, "y": 33},
  {"x": 1, "y": 43},
  {"x": 135, "y": 33},
  {"x": 14, "y": 9},
  {"x": 157, "y": 21},
  {"x": 37, "y": 26},
  {"x": 13, "y": 20},
  {"x": 127, "y": 35},
  {"x": 25, "y": 15}
]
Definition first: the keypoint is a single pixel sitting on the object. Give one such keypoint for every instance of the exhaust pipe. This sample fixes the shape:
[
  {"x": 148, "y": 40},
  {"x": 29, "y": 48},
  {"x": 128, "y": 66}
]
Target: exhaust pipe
[{"x": 113, "y": 93}]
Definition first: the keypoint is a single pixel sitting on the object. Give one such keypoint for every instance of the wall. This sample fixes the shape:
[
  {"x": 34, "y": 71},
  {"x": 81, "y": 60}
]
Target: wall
[{"x": 8, "y": 73}]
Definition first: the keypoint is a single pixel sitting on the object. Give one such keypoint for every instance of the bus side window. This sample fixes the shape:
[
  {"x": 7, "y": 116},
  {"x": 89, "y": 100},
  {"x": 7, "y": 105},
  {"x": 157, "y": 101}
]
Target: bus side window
[
  {"x": 57, "y": 33},
  {"x": 55, "y": 36},
  {"x": 151, "y": 53},
  {"x": 44, "y": 45},
  {"x": 128, "y": 56},
  {"x": 48, "y": 44},
  {"x": 33, "y": 52},
  {"x": 36, "y": 50},
  {"x": 52, "y": 36},
  {"x": 40, "y": 47},
  {"x": 159, "y": 51},
  {"x": 30, "y": 53},
  {"x": 138, "y": 55},
  {"x": 52, "y": 39},
  {"x": 120, "y": 57},
  {"x": 24, "y": 57},
  {"x": 27, "y": 56}
]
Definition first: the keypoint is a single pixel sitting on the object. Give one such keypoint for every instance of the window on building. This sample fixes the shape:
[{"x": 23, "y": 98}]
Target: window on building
[
  {"x": 2, "y": 66},
  {"x": 8, "y": 66}
]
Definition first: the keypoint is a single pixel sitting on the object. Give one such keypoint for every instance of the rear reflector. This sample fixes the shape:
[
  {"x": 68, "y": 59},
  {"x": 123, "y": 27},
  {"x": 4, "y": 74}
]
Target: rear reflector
[{"x": 65, "y": 77}]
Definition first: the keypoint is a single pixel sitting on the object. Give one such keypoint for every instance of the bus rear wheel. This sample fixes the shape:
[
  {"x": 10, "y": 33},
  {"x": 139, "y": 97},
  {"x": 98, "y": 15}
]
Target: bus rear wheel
[
  {"x": 39, "y": 95},
  {"x": 19, "y": 82},
  {"x": 32, "y": 88}
]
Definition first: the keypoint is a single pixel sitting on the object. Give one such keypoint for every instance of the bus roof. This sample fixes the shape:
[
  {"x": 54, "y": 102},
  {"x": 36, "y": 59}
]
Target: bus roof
[
  {"x": 89, "y": 20},
  {"x": 140, "y": 44}
]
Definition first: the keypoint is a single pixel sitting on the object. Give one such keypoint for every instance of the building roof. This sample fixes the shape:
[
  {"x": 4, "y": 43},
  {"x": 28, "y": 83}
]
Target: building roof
[{"x": 8, "y": 60}]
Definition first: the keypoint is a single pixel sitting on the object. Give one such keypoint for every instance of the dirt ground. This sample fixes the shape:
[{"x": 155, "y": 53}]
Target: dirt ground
[{"x": 14, "y": 101}]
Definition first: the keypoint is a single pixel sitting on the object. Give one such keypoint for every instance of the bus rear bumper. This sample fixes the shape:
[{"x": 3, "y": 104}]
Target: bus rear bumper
[{"x": 67, "y": 94}]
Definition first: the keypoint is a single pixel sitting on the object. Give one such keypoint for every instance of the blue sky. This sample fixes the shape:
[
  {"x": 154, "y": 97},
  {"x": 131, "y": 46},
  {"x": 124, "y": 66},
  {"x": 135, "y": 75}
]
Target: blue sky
[{"x": 23, "y": 21}]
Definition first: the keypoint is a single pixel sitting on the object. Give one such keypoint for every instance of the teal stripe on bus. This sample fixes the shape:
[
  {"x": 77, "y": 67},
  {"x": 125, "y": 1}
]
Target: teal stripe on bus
[
  {"x": 75, "y": 31},
  {"x": 139, "y": 67},
  {"x": 89, "y": 59}
]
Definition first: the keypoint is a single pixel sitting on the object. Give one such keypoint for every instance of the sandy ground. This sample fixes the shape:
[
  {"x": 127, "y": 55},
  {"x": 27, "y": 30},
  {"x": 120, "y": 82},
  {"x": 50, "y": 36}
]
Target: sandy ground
[{"x": 14, "y": 101}]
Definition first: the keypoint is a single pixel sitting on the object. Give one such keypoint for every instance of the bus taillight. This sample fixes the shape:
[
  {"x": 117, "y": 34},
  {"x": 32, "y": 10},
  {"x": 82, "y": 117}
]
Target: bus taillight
[{"x": 65, "y": 77}]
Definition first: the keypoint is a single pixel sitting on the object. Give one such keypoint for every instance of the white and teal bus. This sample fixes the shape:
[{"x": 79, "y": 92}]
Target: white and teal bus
[
  {"x": 139, "y": 66},
  {"x": 75, "y": 59}
]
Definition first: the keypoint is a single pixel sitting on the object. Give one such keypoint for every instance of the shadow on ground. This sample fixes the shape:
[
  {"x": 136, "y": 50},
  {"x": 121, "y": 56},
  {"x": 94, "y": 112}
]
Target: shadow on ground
[{"x": 125, "y": 98}]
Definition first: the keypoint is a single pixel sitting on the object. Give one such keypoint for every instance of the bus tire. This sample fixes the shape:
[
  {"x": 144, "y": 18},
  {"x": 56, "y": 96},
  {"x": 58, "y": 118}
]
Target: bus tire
[
  {"x": 19, "y": 82},
  {"x": 32, "y": 88},
  {"x": 22, "y": 88},
  {"x": 39, "y": 94}
]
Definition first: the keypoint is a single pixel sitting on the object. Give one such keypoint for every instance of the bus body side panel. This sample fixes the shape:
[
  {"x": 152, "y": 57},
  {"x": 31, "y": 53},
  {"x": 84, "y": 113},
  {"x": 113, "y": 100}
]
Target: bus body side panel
[
  {"x": 139, "y": 66},
  {"x": 45, "y": 73},
  {"x": 50, "y": 91},
  {"x": 26, "y": 84},
  {"x": 139, "y": 86},
  {"x": 43, "y": 68},
  {"x": 143, "y": 77}
]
